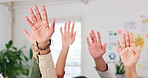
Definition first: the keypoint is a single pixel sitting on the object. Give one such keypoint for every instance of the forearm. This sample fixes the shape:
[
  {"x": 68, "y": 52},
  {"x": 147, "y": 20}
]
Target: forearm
[
  {"x": 101, "y": 64},
  {"x": 46, "y": 63},
  {"x": 47, "y": 66},
  {"x": 60, "y": 66},
  {"x": 131, "y": 72}
]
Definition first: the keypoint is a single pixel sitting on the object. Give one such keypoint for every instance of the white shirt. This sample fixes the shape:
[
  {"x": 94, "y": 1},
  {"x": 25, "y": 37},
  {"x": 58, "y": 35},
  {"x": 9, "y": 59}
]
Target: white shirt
[
  {"x": 1, "y": 76},
  {"x": 106, "y": 74}
]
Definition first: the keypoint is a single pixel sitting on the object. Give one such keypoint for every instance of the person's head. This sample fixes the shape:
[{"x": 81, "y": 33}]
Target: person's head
[{"x": 80, "y": 77}]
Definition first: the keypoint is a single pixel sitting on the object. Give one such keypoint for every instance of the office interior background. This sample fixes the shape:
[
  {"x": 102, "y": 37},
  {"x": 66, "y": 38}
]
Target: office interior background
[{"x": 110, "y": 17}]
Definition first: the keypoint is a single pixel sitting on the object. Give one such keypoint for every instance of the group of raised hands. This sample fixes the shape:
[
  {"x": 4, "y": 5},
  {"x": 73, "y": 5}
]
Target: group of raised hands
[
  {"x": 128, "y": 52},
  {"x": 40, "y": 38}
]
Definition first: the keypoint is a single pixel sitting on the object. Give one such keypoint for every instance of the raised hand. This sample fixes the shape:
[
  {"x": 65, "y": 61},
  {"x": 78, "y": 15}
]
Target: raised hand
[
  {"x": 129, "y": 55},
  {"x": 30, "y": 37},
  {"x": 68, "y": 36},
  {"x": 95, "y": 46},
  {"x": 40, "y": 26}
]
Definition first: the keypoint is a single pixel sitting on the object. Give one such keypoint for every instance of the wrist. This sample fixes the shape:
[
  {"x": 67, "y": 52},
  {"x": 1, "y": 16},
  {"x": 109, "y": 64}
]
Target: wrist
[
  {"x": 44, "y": 52},
  {"x": 98, "y": 59},
  {"x": 130, "y": 68},
  {"x": 65, "y": 46},
  {"x": 43, "y": 44},
  {"x": 130, "y": 72},
  {"x": 101, "y": 64}
]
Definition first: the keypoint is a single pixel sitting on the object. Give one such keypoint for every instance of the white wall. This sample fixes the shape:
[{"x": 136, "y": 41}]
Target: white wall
[
  {"x": 100, "y": 15},
  {"x": 5, "y": 25}
]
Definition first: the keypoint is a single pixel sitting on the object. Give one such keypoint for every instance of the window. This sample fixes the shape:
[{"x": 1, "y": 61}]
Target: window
[{"x": 73, "y": 66}]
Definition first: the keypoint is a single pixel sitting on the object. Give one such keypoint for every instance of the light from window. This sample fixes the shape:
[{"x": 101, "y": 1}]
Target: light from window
[{"x": 73, "y": 66}]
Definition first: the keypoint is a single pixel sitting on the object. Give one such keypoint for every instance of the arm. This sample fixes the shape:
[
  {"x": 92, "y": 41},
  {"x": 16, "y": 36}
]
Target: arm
[
  {"x": 43, "y": 32},
  {"x": 34, "y": 71},
  {"x": 129, "y": 55},
  {"x": 97, "y": 50},
  {"x": 68, "y": 38},
  {"x": 131, "y": 72}
]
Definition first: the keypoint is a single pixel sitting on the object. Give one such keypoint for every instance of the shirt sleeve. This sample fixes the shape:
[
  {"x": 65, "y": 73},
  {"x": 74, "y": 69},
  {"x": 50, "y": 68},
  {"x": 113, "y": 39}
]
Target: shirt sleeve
[
  {"x": 34, "y": 71},
  {"x": 1, "y": 76},
  {"x": 47, "y": 66},
  {"x": 106, "y": 74}
]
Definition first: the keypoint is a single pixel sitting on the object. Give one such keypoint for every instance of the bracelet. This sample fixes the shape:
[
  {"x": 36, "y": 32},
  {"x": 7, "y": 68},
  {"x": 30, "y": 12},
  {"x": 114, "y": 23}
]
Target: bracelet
[
  {"x": 37, "y": 44},
  {"x": 46, "y": 53}
]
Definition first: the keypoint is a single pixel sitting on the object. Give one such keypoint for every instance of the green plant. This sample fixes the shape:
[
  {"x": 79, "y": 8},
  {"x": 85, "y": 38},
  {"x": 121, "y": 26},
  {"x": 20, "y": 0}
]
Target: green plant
[
  {"x": 13, "y": 62},
  {"x": 120, "y": 67}
]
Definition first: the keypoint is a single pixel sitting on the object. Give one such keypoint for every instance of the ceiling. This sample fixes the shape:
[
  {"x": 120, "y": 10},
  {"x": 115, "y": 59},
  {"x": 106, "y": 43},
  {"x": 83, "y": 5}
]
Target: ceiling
[{"x": 5, "y": 1}]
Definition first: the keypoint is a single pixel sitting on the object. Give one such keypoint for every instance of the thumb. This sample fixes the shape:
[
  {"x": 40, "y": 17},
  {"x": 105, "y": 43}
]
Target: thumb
[
  {"x": 138, "y": 51},
  {"x": 53, "y": 25},
  {"x": 104, "y": 46},
  {"x": 26, "y": 33}
]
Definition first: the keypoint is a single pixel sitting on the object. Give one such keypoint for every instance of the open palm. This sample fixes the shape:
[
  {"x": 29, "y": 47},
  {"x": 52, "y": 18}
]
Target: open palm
[
  {"x": 40, "y": 26},
  {"x": 95, "y": 48},
  {"x": 129, "y": 55},
  {"x": 68, "y": 36}
]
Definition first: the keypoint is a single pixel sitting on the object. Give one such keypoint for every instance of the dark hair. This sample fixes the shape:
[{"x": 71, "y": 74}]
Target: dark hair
[{"x": 80, "y": 77}]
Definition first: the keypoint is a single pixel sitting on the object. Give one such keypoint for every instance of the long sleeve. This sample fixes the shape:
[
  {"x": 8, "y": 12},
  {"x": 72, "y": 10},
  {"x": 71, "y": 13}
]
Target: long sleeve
[
  {"x": 106, "y": 74},
  {"x": 47, "y": 66},
  {"x": 34, "y": 71},
  {"x": 1, "y": 76}
]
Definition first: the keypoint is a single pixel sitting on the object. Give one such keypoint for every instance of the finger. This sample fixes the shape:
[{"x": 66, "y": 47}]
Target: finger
[
  {"x": 32, "y": 15},
  {"x": 29, "y": 22},
  {"x": 53, "y": 25},
  {"x": 94, "y": 36},
  {"x": 127, "y": 39},
  {"x": 65, "y": 27},
  {"x": 88, "y": 42},
  {"x": 26, "y": 33},
  {"x": 74, "y": 35},
  {"x": 99, "y": 38},
  {"x": 119, "y": 46},
  {"x": 61, "y": 30},
  {"x": 68, "y": 26},
  {"x": 38, "y": 15},
  {"x": 131, "y": 40},
  {"x": 72, "y": 29},
  {"x": 138, "y": 51},
  {"x": 91, "y": 37},
  {"x": 104, "y": 46},
  {"x": 45, "y": 17},
  {"x": 123, "y": 41}
]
